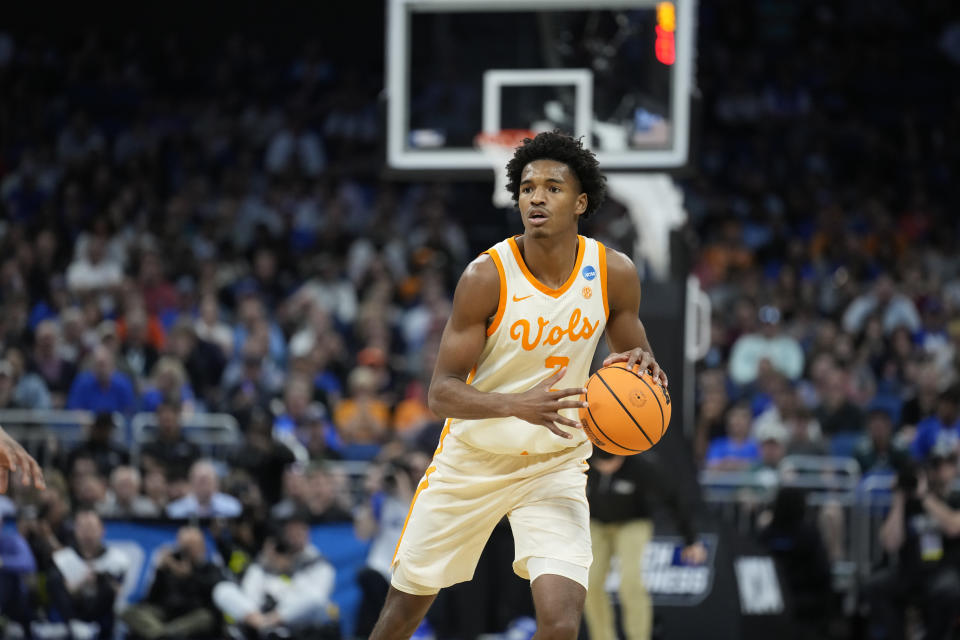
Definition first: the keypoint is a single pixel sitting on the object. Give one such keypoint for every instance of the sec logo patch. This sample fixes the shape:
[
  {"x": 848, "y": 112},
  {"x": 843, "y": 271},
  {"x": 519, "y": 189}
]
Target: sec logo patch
[{"x": 587, "y": 293}]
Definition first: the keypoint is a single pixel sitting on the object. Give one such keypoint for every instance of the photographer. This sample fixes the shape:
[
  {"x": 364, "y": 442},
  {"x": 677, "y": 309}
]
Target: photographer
[
  {"x": 88, "y": 576},
  {"x": 286, "y": 591},
  {"x": 923, "y": 529},
  {"x": 381, "y": 520},
  {"x": 180, "y": 601}
]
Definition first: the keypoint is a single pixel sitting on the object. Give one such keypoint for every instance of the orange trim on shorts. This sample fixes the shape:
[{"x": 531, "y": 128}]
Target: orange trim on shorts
[
  {"x": 423, "y": 485},
  {"x": 502, "y": 304},
  {"x": 603, "y": 278},
  {"x": 426, "y": 476},
  {"x": 555, "y": 293}
]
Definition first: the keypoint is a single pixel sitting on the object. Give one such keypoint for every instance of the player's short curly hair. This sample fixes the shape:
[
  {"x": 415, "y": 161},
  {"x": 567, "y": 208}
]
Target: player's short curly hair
[{"x": 556, "y": 145}]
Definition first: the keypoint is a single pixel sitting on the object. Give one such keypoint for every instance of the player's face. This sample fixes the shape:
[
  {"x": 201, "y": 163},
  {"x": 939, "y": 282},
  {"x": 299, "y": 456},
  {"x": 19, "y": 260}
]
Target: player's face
[{"x": 550, "y": 197}]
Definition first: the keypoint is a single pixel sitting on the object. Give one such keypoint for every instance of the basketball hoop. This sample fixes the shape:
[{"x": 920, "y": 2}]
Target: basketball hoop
[{"x": 498, "y": 148}]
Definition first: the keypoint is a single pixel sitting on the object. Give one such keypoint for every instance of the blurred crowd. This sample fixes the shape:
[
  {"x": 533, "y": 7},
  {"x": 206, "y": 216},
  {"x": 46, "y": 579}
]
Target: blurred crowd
[
  {"x": 825, "y": 222},
  {"x": 825, "y": 219},
  {"x": 174, "y": 243},
  {"x": 189, "y": 231}
]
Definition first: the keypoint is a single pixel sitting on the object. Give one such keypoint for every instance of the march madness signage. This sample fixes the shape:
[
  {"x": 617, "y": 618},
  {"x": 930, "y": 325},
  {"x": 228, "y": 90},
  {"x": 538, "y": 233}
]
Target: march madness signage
[
  {"x": 669, "y": 580},
  {"x": 737, "y": 593}
]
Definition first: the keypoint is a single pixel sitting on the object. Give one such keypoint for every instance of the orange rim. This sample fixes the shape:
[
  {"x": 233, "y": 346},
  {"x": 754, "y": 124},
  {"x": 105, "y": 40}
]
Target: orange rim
[{"x": 507, "y": 138}]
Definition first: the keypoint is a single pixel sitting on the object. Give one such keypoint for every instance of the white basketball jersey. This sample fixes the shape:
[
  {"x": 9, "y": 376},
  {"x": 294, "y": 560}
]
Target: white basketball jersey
[{"x": 537, "y": 330}]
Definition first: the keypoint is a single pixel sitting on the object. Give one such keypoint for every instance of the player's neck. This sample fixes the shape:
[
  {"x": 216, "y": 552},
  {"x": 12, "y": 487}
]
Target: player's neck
[{"x": 550, "y": 259}]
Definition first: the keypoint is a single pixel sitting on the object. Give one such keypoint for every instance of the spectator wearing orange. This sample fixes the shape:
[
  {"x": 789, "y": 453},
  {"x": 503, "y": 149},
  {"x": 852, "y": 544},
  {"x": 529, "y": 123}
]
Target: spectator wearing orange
[
  {"x": 412, "y": 413},
  {"x": 363, "y": 417},
  {"x": 725, "y": 256},
  {"x": 138, "y": 320}
]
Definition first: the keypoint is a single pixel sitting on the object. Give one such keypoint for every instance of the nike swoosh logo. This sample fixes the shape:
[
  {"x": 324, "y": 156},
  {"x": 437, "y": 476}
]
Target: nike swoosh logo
[{"x": 516, "y": 299}]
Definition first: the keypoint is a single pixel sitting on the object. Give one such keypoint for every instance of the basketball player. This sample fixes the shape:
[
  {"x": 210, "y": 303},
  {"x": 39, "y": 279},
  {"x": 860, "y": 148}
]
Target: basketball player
[
  {"x": 13, "y": 457},
  {"x": 527, "y": 314}
]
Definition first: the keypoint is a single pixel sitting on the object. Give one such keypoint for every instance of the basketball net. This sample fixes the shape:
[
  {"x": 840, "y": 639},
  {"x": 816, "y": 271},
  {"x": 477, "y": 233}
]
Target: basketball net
[{"x": 498, "y": 148}]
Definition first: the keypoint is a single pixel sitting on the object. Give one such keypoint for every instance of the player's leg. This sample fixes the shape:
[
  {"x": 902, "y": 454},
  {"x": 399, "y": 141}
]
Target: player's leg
[
  {"x": 631, "y": 539},
  {"x": 598, "y": 609},
  {"x": 551, "y": 534},
  {"x": 457, "y": 504},
  {"x": 401, "y": 615},
  {"x": 558, "y": 601}
]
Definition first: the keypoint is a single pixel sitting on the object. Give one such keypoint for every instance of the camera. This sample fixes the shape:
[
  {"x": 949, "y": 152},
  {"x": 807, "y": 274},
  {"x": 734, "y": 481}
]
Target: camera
[
  {"x": 282, "y": 547},
  {"x": 392, "y": 471},
  {"x": 908, "y": 478}
]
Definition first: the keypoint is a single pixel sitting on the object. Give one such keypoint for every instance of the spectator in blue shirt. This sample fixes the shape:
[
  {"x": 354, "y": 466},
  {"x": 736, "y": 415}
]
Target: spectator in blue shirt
[
  {"x": 737, "y": 450},
  {"x": 169, "y": 380},
  {"x": 16, "y": 564},
  {"x": 103, "y": 388},
  {"x": 204, "y": 500},
  {"x": 941, "y": 430}
]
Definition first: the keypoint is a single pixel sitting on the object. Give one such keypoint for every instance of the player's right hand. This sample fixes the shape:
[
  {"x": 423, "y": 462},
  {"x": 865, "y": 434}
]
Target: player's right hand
[
  {"x": 15, "y": 458},
  {"x": 541, "y": 405}
]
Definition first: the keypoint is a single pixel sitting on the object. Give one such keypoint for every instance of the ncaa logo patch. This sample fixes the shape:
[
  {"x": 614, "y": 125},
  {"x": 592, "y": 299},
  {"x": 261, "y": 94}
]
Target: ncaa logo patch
[{"x": 589, "y": 272}]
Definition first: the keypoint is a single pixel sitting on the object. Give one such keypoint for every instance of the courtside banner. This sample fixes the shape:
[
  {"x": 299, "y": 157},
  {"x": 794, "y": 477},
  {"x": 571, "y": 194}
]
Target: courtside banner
[{"x": 669, "y": 580}]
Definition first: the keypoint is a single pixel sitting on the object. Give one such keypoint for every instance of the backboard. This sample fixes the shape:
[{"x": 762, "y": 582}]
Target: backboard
[{"x": 617, "y": 72}]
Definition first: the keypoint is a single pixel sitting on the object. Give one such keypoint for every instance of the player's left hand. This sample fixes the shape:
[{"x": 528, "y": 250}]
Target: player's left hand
[
  {"x": 639, "y": 357},
  {"x": 695, "y": 553},
  {"x": 14, "y": 457}
]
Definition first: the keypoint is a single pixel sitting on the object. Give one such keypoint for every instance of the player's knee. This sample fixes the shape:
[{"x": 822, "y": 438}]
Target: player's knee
[{"x": 566, "y": 626}]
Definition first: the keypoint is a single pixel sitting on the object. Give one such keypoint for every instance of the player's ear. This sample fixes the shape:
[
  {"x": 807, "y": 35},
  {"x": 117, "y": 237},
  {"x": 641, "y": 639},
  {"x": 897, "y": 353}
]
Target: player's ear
[{"x": 582, "y": 201}]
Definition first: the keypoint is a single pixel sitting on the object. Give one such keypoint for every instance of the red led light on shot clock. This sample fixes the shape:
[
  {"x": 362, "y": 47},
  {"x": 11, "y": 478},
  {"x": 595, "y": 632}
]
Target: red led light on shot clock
[{"x": 665, "y": 47}]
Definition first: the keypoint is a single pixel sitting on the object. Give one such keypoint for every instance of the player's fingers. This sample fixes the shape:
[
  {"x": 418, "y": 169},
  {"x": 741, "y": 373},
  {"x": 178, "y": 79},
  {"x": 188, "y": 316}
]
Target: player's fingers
[
  {"x": 656, "y": 372},
  {"x": 568, "y": 422},
  {"x": 554, "y": 378},
  {"x": 645, "y": 361},
  {"x": 555, "y": 429},
  {"x": 654, "y": 368},
  {"x": 571, "y": 404},
  {"x": 663, "y": 378},
  {"x": 614, "y": 357},
  {"x": 564, "y": 393},
  {"x": 36, "y": 475},
  {"x": 3, "y": 480},
  {"x": 632, "y": 358},
  {"x": 23, "y": 464}
]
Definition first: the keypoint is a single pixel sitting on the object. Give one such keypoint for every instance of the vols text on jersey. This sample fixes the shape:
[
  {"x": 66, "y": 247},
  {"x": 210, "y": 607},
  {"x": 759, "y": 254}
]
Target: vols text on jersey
[{"x": 578, "y": 328}]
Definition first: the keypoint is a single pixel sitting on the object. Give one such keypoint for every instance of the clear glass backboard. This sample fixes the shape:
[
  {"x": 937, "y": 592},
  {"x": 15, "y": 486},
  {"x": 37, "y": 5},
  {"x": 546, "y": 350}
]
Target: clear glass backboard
[{"x": 618, "y": 72}]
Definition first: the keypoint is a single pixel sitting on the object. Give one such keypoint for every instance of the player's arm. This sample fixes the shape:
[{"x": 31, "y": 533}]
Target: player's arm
[
  {"x": 474, "y": 303},
  {"x": 626, "y": 336}
]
